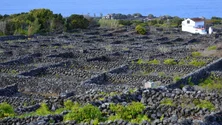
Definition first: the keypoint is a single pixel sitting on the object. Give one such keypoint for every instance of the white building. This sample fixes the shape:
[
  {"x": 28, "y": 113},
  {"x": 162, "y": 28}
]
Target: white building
[
  {"x": 210, "y": 30},
  {"x": 194, "y": 25}
]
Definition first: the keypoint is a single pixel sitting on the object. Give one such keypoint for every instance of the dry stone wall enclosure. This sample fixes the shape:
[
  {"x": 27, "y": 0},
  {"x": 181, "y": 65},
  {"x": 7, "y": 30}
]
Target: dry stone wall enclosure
[{"x": 106, "y": 66}]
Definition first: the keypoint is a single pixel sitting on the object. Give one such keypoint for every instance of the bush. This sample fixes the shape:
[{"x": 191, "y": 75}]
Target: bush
[
  {"x": 105, "y": 23},
  {"x": 176, "y": 79},
  {"x": 196, "y": 54},
  {"x": 140, "y": 61},
  {"x": 155, "y": 61},
  {"x": 125, "y": 22},
  {"x": 212, "y": 83},
  {"x": 170, "y": 62},
  {"x": 212, "y": 48},
  {"x": 34, "y": 28},
  {"x": 167, "y": 101},
  {"x": 84, "y": 114},
  {"x": 132, "y": 112},
  {"x": 197, "y": 63},
  {"x": 6, "y": 110},
  {"x": 141, "y": 30},
  {"x": 204, "y": 104},
  {"x": 43, "y": 110},
  {"x": 76, "y": 21}
]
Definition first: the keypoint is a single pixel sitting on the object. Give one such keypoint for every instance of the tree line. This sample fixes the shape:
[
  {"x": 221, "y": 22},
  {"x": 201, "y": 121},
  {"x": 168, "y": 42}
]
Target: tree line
[{"x": 40, "y": 21}]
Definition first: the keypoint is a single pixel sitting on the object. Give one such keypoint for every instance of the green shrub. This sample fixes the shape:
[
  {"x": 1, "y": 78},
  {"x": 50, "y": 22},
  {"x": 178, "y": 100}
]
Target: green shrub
[
  {"x": 167, "y": 101},
  {"x": 105, "y": 23},
  {"x": 204, "y": 104},
  {"x": 212, "y": 47},
  {"x": 68, "y": 104},
  {"x": 155, "y": 61},
  {"x": 196, "y": 54},
  {"x": 197, "y": 63},
  {"x": 212, "y": 83},
  {"x": 43, "y": 110},
  {"x": 140, "y": 61},
  {"x": 181, "y": 62},
  {"x": 34, "y": 28},
  {"x": 176, "y": 79},
  {"x": 76, "y": 21},
  {"x": 170, "y": 62},
  {"x": 6, "y": 110},
  {"x": 132, "y": 112},
  {"x": 84, "y": 114},
  {"x": 190, "y": 81},
  {"x": 125, "y": 22},
  {"x": 141, "y": 30}
]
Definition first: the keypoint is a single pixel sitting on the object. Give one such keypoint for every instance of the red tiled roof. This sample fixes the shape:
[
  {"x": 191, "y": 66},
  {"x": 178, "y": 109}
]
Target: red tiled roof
[{"x": 197, "y": 19}]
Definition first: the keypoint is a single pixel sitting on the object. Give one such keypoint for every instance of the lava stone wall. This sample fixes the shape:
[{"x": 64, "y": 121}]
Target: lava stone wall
[
  {"x": 199, "y": 74},
  {"x": 5, "y": 38}
]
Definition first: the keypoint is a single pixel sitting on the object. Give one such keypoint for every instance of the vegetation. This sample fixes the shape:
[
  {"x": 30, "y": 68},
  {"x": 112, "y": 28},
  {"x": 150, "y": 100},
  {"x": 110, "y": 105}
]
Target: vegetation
[
  {"x": 140, "y": 61},
  {"x": 43, "y": 110},
  {"x": 105, "y": 23},
  {"x": 76, "y": 21},
  {"x": 155, "y": 61},
  {"x": 204, "y": 104},
  {"x": 84, "y": 114},
  {"x": 176, "y": 79},
  {"x": 196, "y": 54},
  {"x": 212, "y": 83},
  {"x": 40, "y": 21},
  {"x": 212, "y": 48},
  {"x": 197, "y": 63},
  {"x": 190, "y": 81},
  {"x": 132, "y": 112},
  {"x": 6, "y": 110},
  {"x": 170, "y": 62},
  {"x": 141, "y": 30},
  {"x": 167, "y": 101}
]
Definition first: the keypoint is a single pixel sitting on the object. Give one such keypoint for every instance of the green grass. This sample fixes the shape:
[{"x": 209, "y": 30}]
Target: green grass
[
  {"x": 131, "y": 112},
  {"x": 197, "y": 63},
  {"x": 170, "y": 62},
  {"x": 204, "y": 104},
  {"x": 6, "y": 110},
  {"x": 214, "y": 47},
  {"x": 176, "y": 78},
  {"x": 84, "y": 114},
  {"x": 212, "y": 83},
  {"x": 105, "y": 23},
  {"x": 196, "y": 54},
  {"x": 182, "y": 62},
  {"x": 140, "y": 61},
  {"x": 155, "y": 61},
  {"x": 167, "y": 101}
]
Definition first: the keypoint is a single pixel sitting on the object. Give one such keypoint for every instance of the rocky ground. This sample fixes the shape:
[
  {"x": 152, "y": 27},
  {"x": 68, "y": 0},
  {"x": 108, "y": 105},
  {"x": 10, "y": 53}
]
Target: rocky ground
[{"x": 104, "y": 66}]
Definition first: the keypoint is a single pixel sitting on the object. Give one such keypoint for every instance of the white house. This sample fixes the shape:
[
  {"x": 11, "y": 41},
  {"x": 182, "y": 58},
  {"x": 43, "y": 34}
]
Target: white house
[{"x": 194, "y": 25}]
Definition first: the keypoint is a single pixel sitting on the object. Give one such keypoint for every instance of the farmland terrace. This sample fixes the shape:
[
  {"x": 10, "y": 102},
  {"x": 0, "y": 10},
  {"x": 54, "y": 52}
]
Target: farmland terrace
[{"x": 104, "y": 66}]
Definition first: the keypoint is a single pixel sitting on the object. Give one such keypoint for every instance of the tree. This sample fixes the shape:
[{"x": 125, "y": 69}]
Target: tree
[
  {"x": 76, "y": 21},
  {"x": 2, "y": 27},
  {"x": 34, "y": 27},
  {"x": 137, "y": 15},
  {"x": 151, "y": 16},
  {"x": 44, "y": 17},
  {"x": 57, "y": 23}
]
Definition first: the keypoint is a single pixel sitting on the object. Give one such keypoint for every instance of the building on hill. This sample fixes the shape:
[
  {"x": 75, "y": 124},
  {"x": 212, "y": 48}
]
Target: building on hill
[{"x": 194, "y": 25}]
